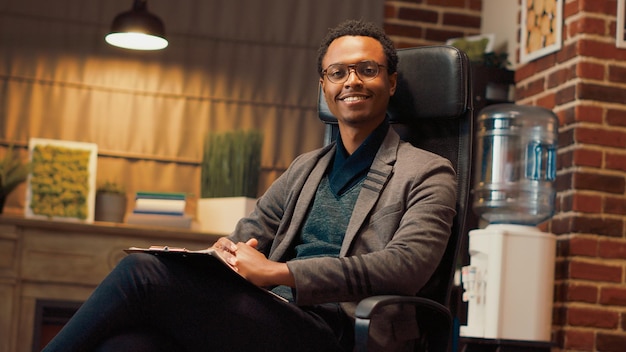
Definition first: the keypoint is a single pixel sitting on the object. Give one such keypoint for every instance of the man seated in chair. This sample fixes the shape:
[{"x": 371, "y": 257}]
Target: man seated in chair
[{"x": 366, "y": 215}]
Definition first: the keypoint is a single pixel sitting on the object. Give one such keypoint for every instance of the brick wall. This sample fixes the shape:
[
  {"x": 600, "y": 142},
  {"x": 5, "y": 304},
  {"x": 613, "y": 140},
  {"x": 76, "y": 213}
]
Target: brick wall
[
  {"x": 584, "y": 83},
  {"x": 427, "y": 22}
]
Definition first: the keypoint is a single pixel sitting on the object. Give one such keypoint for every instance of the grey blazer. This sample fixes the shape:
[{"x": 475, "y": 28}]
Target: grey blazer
[{"x": 395, "y": 238}]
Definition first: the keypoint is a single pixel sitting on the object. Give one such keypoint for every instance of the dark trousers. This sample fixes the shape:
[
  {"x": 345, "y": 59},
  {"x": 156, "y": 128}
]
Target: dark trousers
[{"x": 195, "y": 305}]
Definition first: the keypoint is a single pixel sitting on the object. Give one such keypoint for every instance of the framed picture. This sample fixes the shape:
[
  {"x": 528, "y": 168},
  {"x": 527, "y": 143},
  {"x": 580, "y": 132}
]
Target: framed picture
[
  {"x": 62, "y": 181},
  {"x": 541, "y": 26},
  {"x": 620, "y": 31},
  {"x": 474, "y": 46}
]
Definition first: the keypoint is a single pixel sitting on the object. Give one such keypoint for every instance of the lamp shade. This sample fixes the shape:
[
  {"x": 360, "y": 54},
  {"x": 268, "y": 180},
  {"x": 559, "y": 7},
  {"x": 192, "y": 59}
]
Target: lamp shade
[{"x": 137, "y": 29}]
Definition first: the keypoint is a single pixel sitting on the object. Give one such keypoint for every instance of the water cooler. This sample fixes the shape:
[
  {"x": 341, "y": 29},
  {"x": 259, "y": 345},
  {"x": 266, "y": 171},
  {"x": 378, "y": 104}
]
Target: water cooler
[{"x": 509, "y": 282}]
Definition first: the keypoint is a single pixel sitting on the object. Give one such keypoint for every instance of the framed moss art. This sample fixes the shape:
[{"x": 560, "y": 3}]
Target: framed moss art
[{"x": 62, "y": 181}]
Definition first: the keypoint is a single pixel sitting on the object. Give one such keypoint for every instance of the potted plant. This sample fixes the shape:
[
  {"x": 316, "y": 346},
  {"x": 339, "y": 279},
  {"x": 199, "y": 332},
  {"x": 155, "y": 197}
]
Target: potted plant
[
  {"x": 12, "y": 172},
  {"x": 230, "y": 169},
  {"x": 110, "y": 202}
]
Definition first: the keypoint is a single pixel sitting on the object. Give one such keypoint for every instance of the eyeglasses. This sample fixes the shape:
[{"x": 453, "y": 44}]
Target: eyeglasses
[{"x": 365, "y": 70}]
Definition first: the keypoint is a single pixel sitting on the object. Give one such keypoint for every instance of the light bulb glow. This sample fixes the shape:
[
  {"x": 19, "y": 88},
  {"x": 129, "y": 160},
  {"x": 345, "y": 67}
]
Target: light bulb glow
[{"x": 136, "y": 41}]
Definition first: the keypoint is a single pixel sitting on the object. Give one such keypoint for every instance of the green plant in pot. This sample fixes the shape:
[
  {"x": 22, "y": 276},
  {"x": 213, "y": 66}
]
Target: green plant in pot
[
  {"x": 13, "y": 171},
  {"x": 229, "y": 177},
  {"x": 110, "y": 202}
]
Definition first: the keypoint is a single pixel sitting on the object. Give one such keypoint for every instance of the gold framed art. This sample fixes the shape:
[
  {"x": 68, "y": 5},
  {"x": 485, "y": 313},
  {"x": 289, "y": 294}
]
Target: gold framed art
[{"x": 541, "y": 28}]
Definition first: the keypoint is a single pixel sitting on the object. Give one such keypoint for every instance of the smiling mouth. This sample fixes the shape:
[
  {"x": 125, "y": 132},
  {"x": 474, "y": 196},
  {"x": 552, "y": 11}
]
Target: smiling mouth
[{"x": 353, "y": 99}]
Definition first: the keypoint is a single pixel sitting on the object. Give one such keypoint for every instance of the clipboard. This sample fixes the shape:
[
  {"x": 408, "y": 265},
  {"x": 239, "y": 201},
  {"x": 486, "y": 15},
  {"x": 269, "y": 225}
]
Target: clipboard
[{"x": 180, "y": 252}]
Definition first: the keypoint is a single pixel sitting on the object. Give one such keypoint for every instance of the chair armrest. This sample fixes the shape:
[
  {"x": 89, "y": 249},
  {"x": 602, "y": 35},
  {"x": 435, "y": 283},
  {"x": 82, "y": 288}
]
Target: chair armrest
[{"x": 434, "y": 319}]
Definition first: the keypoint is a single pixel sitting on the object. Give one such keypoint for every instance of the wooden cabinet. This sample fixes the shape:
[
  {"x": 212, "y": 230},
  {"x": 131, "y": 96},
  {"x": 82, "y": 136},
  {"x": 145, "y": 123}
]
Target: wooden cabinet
[{"x": 58, "y": 261}]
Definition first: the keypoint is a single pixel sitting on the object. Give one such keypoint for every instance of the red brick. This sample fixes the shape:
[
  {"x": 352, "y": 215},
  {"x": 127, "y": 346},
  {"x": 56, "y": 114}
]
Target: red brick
[
  {"x": 595, "y": 318},
  {"x": 601, "y": 92},
  {"x": 559, "y": 77},
  {"x": 547, "y": 101},
  {"x": 561, "y": 225},
  {"x": 597, "y": 182},
  {"x": 586, "y": 157},
  {"x": 617, "y": 74},
  {"x": 570, "y": 8},
  {"x": 590, "y": 25},
  {"x": 615, "y": 117},
  {"x": 565, "y": 95},
  {"x": 590, "y": 70},
  {"x": 603, "y": 7},
  {"x": 579, "y": 340},
  {"x": 614, "y": 205},
  {"x": 601, "y": 50},
  {"x": 613, "y": 342},
  {"x": 588, "y": 113},
  {"x": 567, "y": 52},
  {"x": 403, "y": 30},
  {"x": 613, "y": 296},
  {"x": 533, "y": 88},
  {"x": 461, "y": 20},
  {"x": 418, "y": 15},
  {"x": 447, "y": 3},
  {"x": 612, "y": 249},
  {"x": 616, "y": 161},
  {"x": 476, "y": 5},
  {"x": 581, "y": 246},
  {"x": 581, "y": 293},
  {"x": 595, "y": 272},
  {"x": 525, "y": 71},
  {"x": 571, "y": 30},
  {"x": 598, "y": 225},
  {"x": 441, "y": 35},
  {"x": 604, "y": 137}
]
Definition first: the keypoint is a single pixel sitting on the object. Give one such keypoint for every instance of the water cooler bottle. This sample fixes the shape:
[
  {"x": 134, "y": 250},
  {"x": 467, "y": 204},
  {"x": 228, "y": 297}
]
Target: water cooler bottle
[{"x": 509, "y": 282}]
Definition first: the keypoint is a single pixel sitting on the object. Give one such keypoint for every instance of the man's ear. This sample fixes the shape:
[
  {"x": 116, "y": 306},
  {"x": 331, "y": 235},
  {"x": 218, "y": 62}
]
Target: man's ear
[
  {"x": 393, "y": 81},
  {"x": 322, "y": 84}
]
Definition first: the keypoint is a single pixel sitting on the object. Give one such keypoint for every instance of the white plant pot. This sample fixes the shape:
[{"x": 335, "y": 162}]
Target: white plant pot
[{"x": 220, "y": 215}]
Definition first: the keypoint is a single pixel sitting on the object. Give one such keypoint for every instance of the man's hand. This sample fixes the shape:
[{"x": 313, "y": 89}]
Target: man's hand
[{"x": 252, "y": 264}]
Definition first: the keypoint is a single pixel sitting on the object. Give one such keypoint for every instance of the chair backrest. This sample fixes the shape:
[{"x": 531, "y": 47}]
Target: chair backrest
[{"x": 432, "y": 109}]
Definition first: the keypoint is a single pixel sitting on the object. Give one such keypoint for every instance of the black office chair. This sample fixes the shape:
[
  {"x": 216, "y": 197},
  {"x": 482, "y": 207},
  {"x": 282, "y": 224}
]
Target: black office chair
[{"x": 432, "y": 109}]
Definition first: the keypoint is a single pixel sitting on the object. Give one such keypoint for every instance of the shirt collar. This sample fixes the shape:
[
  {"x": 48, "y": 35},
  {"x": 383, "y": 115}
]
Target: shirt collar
[{"x": 347, "y": 170}]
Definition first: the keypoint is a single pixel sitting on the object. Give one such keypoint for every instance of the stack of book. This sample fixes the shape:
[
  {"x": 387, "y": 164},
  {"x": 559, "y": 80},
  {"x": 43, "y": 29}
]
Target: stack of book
[{"x": 160, "y": 209}]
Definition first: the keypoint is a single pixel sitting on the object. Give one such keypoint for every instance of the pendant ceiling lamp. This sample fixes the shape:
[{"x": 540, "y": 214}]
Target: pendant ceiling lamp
[{"x": 137, "y": 29}]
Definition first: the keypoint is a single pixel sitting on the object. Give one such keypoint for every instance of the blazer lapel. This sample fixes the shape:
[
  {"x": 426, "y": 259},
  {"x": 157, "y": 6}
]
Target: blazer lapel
[{"x": 304, "y": 200}]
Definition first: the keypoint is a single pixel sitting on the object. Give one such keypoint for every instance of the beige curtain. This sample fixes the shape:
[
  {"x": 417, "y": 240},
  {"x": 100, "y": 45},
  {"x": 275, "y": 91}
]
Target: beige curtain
[{"x": 231, "y": 64}]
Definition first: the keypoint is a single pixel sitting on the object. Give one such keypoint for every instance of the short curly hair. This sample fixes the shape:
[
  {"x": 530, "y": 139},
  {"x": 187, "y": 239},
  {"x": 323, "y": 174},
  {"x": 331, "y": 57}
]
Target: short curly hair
[{"x": 359, "y": 28}]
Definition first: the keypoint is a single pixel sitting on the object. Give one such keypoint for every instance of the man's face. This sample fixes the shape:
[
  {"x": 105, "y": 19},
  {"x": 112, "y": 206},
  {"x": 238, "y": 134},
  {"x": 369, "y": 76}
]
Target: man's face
[{"x": 356, "y": 102}]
